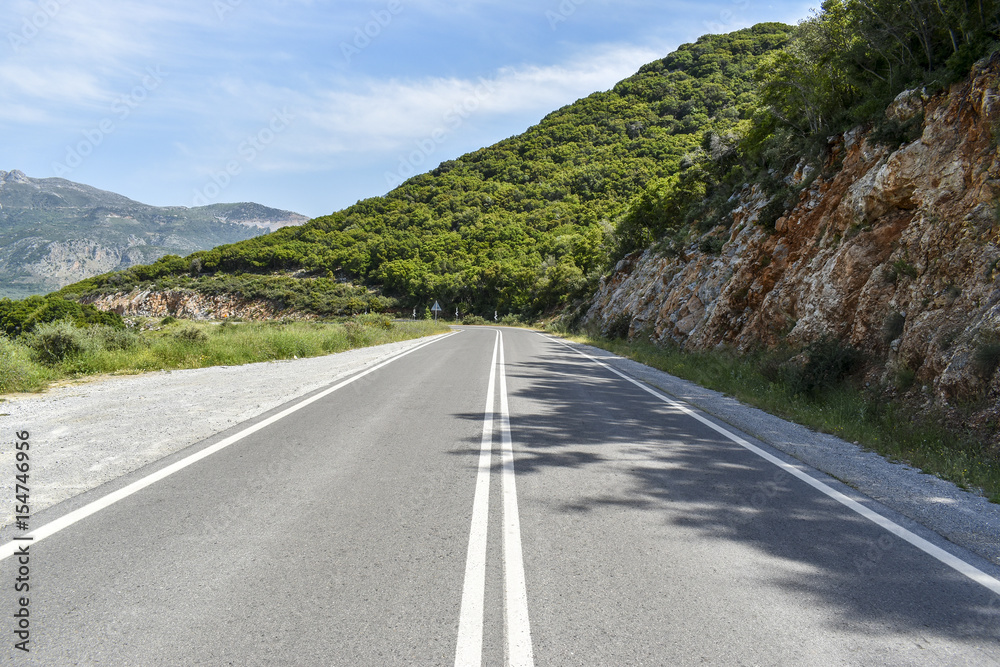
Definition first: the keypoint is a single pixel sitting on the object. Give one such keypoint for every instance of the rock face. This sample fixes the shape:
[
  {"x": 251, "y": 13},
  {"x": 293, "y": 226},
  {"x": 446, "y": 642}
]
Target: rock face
[
  {"x": 189, "y": 304},
  {"x": 896, "y": 252}
]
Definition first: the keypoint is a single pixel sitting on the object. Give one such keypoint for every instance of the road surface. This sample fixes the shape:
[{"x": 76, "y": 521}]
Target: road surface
[{"x": 490, "y": 497}]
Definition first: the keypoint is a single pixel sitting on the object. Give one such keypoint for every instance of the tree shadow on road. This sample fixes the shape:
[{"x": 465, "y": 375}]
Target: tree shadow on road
[{"x": 569, "y": 415}]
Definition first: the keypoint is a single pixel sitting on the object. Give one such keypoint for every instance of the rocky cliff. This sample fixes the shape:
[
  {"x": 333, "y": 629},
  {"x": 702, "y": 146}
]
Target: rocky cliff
[
  {"x": 892, "y": 250},
  {"x": 190, "y": 304}
]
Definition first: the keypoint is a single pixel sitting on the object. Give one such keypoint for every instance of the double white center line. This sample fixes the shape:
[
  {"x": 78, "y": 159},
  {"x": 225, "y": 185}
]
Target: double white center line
[{"x": 469, "y": 650}]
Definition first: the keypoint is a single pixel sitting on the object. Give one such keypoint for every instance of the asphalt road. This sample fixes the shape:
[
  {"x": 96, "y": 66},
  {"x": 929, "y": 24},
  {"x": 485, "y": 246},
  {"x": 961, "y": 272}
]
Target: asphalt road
[{"x": 491, "y": 497}]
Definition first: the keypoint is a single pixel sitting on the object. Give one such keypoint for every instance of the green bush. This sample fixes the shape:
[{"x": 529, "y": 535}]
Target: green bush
[
  {"x": 893, "y": 326},
  {"x": 191, "y": 335},
  {"x": 511, "y": 321},
  {"x": 899, "y": 268},
  {"x": 357, "y": 335},
  {"x": 619, "y": 326},
  {"x": 23, "y": 316},
  {"x": 375, "y": 320},
  {"x": 711, "y": 245},
  {"x": 474, "y": 320},
  {"x": 986, "y": 356},
  {"x": 776, "y": 366},
  {"x": 108, "y": 338},
  {"x": 828, "y": 362},
  {"x": 53, "y": 342},
  {"x": 18, "y": 371},
  {"x": 905, "y": 377},
  {"x": 893, "y": 133}
]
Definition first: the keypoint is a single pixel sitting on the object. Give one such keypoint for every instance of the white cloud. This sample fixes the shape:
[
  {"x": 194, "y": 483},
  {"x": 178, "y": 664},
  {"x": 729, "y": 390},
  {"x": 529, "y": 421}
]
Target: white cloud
[
  {"x": 47, "y": 83},
  {"x": 390, "y": 115}
]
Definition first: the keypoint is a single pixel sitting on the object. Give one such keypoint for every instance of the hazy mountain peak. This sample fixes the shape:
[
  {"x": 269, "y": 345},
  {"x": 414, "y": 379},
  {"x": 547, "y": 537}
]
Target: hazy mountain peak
[
  {"x": 13, "y": 176},
  {"x": 54, "y": 232}
]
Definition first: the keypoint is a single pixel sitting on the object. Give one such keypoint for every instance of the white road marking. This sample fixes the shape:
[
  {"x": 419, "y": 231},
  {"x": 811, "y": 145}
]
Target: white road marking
[
  {"x": 469, "y": 651},
  {"x": 53, "y": 527},
  {"x": 519, "y": 651},
  {"x": 929, "y": 548}
]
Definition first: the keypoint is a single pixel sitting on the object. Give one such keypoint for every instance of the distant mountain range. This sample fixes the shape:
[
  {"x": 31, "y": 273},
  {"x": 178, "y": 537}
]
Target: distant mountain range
[{"x": 54, "y": 232}]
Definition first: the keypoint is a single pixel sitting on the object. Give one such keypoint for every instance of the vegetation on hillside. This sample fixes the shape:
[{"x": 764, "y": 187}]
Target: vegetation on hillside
[
  {"x": 839, "y": 69},
  {"x": 529, "y": 224},
  {"x": 525, "y": 225},
  {"x": 22, "y": 316}
]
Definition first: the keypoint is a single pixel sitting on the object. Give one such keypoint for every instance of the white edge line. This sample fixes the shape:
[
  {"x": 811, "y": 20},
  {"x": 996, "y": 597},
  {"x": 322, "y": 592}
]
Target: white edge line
[
  {"x": 519, "y": 650},
  {"x": 53, "y": 527},
  {"x": 927, "y": 547},
  {"x": 469, "y": 649}
]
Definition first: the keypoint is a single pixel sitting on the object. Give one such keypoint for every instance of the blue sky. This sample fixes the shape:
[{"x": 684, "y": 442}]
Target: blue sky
[{"x": 310, "y": 105}]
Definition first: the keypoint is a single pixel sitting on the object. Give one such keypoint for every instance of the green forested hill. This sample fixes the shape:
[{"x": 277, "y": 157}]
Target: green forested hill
[
  {"x": 528, "y": 224},
  {"x": 522, "y": 225}
]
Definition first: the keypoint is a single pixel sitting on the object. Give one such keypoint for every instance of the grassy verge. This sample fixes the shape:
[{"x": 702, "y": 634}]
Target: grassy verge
[
  {"x": 61, "y": 351},
  {"x": 891, "y": 429}
]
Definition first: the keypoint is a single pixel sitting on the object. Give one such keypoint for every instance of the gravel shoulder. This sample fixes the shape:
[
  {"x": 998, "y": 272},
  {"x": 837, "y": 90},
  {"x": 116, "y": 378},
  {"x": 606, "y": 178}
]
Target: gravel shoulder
[
  {"x": 95, "y": 431},
  {"x": 961, "y": 517}
]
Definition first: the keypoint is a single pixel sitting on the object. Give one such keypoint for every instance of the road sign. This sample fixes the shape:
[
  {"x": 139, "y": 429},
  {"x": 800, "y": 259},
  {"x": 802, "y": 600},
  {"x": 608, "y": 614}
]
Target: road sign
[{"x": 437, "y": 309}]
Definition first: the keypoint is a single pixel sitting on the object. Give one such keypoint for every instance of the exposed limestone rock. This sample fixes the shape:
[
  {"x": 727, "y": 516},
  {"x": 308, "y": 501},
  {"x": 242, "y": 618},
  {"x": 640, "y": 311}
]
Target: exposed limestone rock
[
  {"x": 907, "y": 105},
  {"x": 911, "y": 233},
  {"x": 189, "y": 304}
]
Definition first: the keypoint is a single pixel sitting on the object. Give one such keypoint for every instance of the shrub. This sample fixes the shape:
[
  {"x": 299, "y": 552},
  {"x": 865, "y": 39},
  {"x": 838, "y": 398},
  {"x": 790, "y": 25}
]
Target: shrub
[
  {"x": 474, "y": 320},
  {"x": 355, "y": 333},
  {"x": 511, "y": 321},
  {"x": 376, "y": 321},
  {"x": 619, "y": 326},
  {"x": 711, "y": 245},
  {"x": 899, "y": 268},
  {"x": 169, "y": 319},
  {"x": 986, "y": 356},
  {"x": 109, "y": 338},
  {"x": 776, "y": 366},
  {"x": 55, "y": 341},
  {"x": 894, "y": 133},
  {"x": 191, "y": 335},
  {"x": 21, "y": 317},
  {"x": 781, "y": 202},
  {"x": 828, "y": 362},
  {"x": 18, "y": 372},
  {"x": 905, "y": 377},
  {"x": 893, "y": 326}
]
